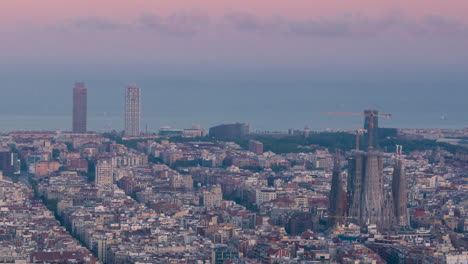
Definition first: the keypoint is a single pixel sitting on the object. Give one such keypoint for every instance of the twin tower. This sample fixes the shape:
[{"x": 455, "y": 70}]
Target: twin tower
[
  {"x": 132, "y": 109},
  {"x": 365, "y": 201}
]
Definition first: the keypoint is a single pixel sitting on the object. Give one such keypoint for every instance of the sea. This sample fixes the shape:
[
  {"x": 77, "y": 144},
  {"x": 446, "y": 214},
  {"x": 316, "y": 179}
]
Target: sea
[{"x": 267, "y": 101}]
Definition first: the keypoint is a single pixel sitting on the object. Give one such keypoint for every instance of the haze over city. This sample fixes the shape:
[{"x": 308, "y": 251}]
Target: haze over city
[{"x": 249, "y": 61}]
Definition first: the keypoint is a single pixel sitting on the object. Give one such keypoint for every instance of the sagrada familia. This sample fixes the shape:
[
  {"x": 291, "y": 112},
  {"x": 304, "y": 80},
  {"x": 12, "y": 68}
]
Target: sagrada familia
[{"x": 364, "y": 201}]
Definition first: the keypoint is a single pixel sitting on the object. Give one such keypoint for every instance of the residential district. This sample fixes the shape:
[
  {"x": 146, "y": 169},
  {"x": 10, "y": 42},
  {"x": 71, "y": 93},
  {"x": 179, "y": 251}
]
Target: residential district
[{"x": 184, "y": 197}]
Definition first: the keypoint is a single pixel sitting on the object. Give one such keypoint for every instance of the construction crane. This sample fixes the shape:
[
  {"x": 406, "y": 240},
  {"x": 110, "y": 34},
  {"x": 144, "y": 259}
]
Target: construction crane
[{"x": 371, "y": 116}]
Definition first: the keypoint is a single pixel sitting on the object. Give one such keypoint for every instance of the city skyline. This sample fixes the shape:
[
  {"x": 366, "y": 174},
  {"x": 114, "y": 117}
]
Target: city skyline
[
  {"x": 207, "y": 201},
  {"x": 241, "y": 132}
]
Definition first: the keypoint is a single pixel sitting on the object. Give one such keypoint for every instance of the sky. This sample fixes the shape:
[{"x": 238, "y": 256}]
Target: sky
[
  {"x": 243, "y": 33},
  {"x": 179, "y": 47}
]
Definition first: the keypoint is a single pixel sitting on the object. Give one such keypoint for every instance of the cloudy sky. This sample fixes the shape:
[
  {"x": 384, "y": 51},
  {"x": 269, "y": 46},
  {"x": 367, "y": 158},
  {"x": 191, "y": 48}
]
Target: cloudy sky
[
  {"x": 202, "y": 49},
  {"x": 228, "y": 32}
]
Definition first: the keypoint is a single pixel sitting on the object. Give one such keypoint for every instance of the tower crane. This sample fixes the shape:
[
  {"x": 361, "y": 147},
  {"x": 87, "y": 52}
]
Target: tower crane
[{"x": 371, "y": 116}]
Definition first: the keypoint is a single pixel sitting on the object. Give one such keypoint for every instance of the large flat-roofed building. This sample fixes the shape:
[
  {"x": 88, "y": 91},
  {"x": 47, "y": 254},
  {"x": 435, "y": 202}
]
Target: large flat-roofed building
[
  {"x": 43, "y": 168},
  {"x": 264, "y": 195},
  {"x": 132, "y": 111},
  {"x": 169, "y": 131},
  {"x": 230, "y": 131},
  {"x": 79, "y": 108}
]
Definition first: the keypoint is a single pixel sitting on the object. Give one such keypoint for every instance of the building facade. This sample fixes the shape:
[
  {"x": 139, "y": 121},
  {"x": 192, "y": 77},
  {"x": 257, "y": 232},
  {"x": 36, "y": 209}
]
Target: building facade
[
  {"x": 213, "y": 198},
  {"x": 132, "y": 111},
  {"x": 299, "y": 222},
  {"x": 104, "y": 173},
  {"x": 43, "y": 168},
  {"x": 366, "y": 189},
  {"x": 256, "y": 147},
  {"x": 399, "y": 190},
  {"x": 224, "y": 254},
  {"x": 264, "y": 195},
  {"x": 79, "y": 108},
  {"x": 368, "y": 202},
  {"x": 337, "y": 195},
  {"x": 9, "y": 163},
  {"x": 230, "y": 131}
]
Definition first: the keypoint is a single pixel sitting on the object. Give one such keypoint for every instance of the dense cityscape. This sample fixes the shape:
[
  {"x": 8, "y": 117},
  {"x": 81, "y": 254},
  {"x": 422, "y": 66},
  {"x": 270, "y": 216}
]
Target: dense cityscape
[{"x": 231, "y": 195}]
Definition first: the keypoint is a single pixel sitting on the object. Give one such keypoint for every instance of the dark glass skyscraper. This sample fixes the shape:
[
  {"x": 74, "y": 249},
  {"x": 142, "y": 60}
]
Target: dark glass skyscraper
[{"x": 79, "y": 108}]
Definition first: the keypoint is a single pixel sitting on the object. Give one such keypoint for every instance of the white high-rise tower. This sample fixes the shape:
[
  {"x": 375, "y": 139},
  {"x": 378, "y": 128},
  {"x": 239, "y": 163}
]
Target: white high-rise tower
[{"x": 132, "y": 111}]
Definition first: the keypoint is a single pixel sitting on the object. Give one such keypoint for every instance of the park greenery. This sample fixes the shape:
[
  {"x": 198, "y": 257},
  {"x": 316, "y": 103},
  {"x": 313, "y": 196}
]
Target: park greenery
[{"x": 297, "y": 143}]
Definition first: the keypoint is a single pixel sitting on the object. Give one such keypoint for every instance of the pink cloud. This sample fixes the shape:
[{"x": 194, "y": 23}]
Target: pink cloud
[
  {"x": 46, "y": 11},
  {"x": 229, "y": 31}
]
